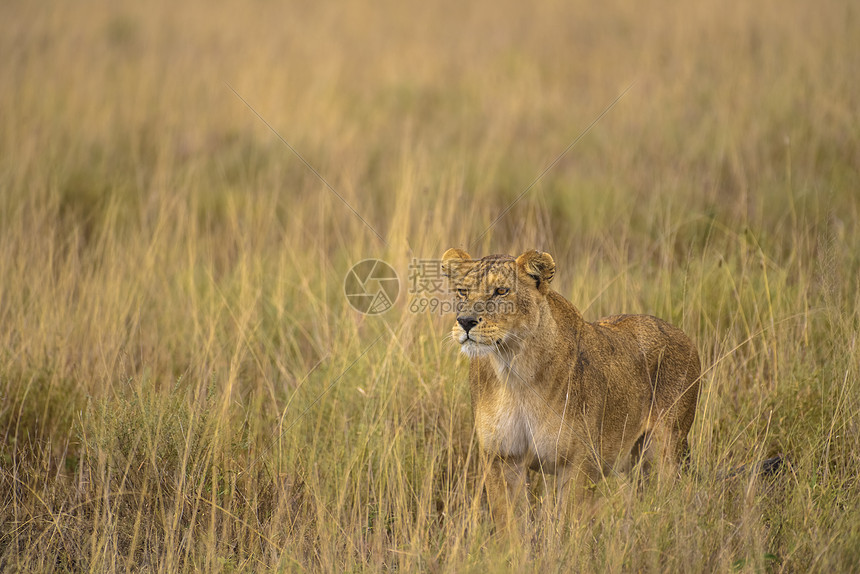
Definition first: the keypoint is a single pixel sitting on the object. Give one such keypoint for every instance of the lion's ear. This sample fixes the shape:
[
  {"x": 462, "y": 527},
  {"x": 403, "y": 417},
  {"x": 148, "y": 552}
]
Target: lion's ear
[
  {"x": 450, "y": 260},
  {"x": 455, "y": 253},
  {"x": 537, "y": 265}
]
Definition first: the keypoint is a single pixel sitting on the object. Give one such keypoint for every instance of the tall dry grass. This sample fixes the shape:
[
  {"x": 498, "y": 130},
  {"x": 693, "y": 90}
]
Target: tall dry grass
[{"x": 185, "y": 388}]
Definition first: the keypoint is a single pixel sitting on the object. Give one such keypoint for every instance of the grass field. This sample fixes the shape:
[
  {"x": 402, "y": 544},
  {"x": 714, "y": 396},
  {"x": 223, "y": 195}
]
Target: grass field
[{"x": 184, "y": 387}]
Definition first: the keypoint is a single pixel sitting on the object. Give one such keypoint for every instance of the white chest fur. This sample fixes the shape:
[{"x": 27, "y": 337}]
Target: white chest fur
[
  {"x": 505, "y": 429},
  {"x": 511, "y": 426}
]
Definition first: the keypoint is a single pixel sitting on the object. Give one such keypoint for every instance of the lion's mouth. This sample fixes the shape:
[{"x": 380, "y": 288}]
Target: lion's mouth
[
  {"x": 474, "y": 347},
  {"x": 466, "y": 338}
]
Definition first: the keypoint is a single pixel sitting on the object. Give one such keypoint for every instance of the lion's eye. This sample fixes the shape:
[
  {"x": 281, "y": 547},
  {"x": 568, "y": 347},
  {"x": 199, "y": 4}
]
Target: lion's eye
[
  {"x": 462, "y": 292},
  {"x": 502, "y": 290}
]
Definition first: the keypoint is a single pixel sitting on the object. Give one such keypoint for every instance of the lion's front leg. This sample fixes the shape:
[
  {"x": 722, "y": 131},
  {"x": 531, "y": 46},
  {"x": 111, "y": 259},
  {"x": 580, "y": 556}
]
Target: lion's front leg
[
  {"x": 507, "y": 491},
  {"x": 574, "y": 484}
]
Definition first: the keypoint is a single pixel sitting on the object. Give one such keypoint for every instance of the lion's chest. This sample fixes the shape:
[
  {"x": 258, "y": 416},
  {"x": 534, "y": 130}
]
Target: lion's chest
[{"x": 510, "y": 425}]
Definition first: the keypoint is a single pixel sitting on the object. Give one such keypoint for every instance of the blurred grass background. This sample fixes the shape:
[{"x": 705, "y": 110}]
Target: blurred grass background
[{"x": 171, "y": 303}]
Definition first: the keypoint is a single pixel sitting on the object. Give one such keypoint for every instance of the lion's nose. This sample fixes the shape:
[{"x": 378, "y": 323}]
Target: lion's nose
[{"x": 467, "y": 322}]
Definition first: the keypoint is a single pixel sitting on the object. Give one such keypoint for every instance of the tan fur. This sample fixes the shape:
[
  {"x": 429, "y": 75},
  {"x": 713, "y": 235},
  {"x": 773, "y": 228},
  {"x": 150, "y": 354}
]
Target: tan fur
[{"x": 554, "y": 393}]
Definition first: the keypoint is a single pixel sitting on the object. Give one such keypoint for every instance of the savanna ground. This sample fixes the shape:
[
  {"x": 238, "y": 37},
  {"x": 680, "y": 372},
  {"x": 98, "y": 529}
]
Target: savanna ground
[{"x": 183, "y": 386}]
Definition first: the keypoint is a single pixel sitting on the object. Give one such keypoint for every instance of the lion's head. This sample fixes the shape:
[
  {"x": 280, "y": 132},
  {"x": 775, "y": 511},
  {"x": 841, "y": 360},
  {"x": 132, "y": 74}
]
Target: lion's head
[{"x": 497, "y": 298}]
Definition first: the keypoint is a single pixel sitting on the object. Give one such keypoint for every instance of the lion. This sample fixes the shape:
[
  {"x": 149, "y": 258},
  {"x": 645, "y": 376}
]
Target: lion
[{"x": 556, "y": 394}]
